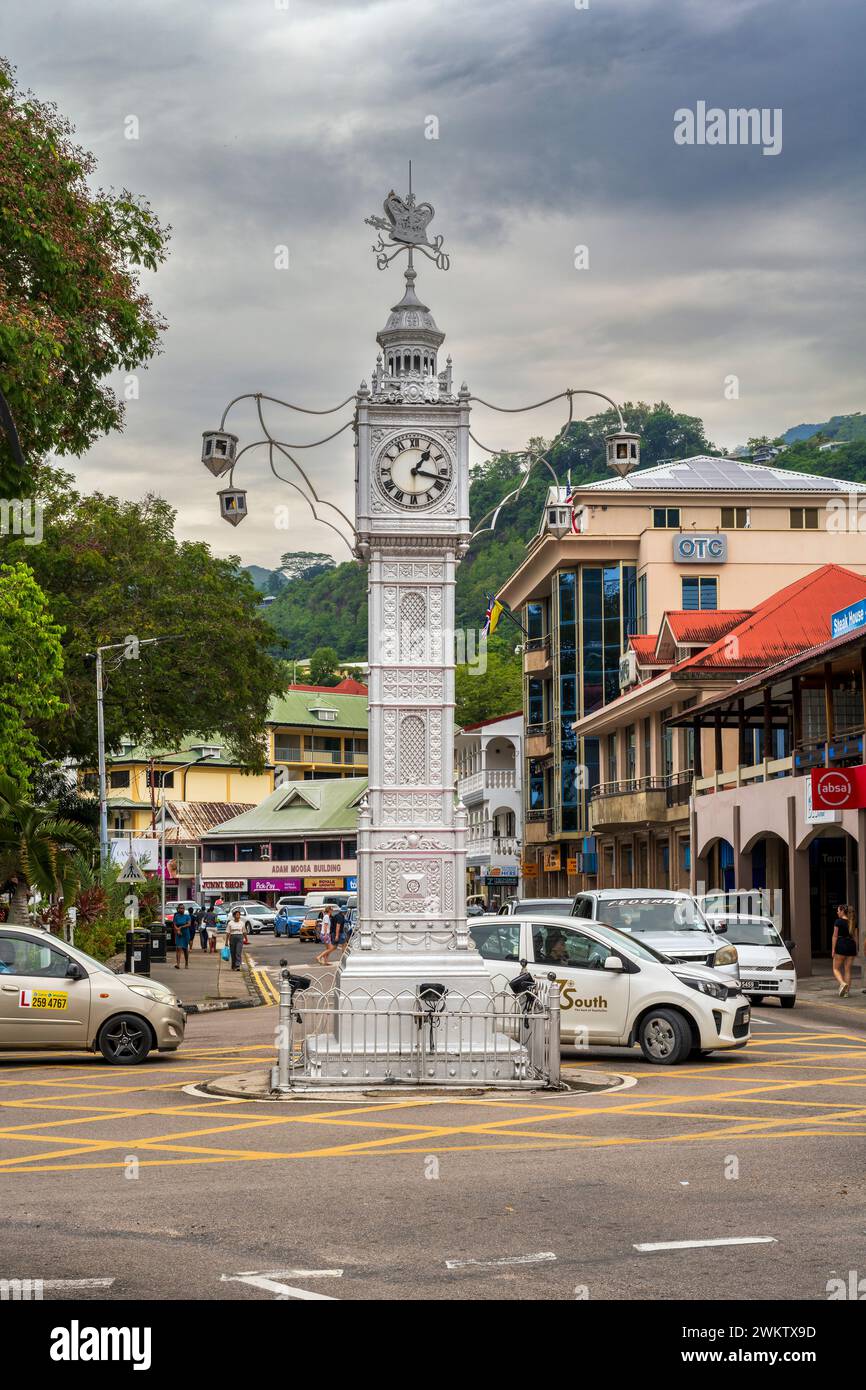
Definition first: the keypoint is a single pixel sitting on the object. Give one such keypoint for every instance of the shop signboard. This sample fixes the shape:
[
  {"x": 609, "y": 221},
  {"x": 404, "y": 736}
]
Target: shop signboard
[
  {"x": 323, "y": 885},
  {"x": 838, "y": 788},
  {"x": 276, "y": 885},
  {"x": 552, "y": 859},
  {"x": 225, "y": 885}
]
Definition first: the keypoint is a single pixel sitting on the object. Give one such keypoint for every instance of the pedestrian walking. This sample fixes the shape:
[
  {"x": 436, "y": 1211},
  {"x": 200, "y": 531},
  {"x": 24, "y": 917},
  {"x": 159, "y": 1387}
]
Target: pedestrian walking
[
  {"x": 844, "y": 947},
  {"x": 207, "y": 924},
  {"x": 182, "y": 933},
  {"x": 235, "y": 935},
  {"x": 325, "y": 937},
  {"x": 338, "y": 930}
]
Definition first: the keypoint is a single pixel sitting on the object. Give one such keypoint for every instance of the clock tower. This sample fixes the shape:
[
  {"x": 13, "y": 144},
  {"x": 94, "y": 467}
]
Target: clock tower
[{"x": 412, "y": 506}]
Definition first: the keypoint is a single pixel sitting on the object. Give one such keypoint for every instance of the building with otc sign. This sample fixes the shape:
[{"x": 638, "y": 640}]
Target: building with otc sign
[{"x": 691, "y": 536}]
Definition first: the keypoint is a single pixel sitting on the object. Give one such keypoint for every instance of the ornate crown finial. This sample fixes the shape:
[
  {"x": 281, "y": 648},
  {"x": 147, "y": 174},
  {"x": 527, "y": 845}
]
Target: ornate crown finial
[{"x": 405, "y": 225}]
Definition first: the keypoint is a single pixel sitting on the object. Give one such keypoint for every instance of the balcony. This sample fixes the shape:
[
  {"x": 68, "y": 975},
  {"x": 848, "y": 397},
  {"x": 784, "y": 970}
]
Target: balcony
[
  {"x": 536, "y": 656},
  {"x": 491, "y": 779},
  {"x": 538, "y": 740},
  {"x": 766, "y": 771},
  {"x": 538, "y": 827},
  {"x": 329, "y": 757},
  {"x": 489, "y": 848},
  {"x": 641, "y": 801},
  {"x": 845, "y": 747}
]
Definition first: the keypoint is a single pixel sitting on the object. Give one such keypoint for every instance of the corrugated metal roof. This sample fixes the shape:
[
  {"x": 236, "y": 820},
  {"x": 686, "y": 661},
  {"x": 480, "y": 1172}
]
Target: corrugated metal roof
[
  {"x": 704, "y": 625},
  {"x": 195, "y": 818},
  {"x": 318, "y": 804},
  {"x": 706, "y": 474},
  {"x": 297, "y": 707}
]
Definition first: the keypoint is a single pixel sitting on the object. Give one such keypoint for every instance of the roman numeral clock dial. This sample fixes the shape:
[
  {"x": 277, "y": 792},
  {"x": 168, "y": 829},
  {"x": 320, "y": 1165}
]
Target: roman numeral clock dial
[{"x": 414, "y": 471}]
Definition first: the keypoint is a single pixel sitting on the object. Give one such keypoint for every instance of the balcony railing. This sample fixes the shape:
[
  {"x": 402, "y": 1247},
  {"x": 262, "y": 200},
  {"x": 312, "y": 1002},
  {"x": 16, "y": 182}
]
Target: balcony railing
[
  {"x": 675, "y": 788},
  {"x": 765, "y": 771},
  {"x": 492, "y": 779},
  {"x": 506, "y": 846},
  {"x": 347, "y": 757}
]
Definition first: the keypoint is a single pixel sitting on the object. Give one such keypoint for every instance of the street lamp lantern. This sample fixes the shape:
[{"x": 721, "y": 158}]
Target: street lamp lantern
[
  {"x": 233, "y": 504},
  {"x": 218, "y": 450},
  {"x": 623, "y": 451}
]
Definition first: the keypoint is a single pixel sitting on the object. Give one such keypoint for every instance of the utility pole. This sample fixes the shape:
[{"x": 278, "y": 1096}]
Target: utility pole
[{"x": 129, "y": 647}]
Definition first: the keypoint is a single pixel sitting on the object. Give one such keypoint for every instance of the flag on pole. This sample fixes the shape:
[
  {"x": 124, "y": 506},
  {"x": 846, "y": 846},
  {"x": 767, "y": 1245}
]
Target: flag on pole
[
  {"x": 570, "y": 502},
  {"x": 495, "y": 609}
]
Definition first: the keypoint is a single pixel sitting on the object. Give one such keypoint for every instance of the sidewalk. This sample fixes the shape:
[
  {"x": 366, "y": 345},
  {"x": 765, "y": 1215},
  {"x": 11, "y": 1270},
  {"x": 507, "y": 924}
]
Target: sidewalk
[
  {"x": 820, "y": 993},
  {"x": 209, "y": 983}
]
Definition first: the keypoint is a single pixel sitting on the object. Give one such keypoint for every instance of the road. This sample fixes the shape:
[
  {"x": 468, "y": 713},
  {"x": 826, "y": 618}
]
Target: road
[{"x": 126, "y": 1177}]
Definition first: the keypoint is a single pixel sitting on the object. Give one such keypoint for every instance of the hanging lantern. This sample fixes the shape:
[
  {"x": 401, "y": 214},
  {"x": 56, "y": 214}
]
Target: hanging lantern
[
  {"x": 218, "y": 450},
  {"x": 233, "y": 505},
  {"x": 623, "y": 451}
]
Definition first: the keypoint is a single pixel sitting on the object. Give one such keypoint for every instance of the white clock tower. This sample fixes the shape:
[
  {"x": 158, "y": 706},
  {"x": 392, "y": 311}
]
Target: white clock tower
[{"x": 412, "y": 503}]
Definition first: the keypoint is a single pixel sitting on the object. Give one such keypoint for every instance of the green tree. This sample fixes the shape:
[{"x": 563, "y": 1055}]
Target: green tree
[
  {"x": 31, "y": 669},
  {"x": 323, "y": 667},
  {"x": 36, "y": 849},
  {"x": 305, "y": 562},
  {"x": 71, "y": 306},
  {"x": 488, "y": 693},
  {"x": 109, "y": 568}
]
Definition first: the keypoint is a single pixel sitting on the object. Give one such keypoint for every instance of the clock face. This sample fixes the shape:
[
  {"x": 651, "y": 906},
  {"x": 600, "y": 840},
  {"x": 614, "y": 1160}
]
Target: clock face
[{"x": 413, "y": 471}]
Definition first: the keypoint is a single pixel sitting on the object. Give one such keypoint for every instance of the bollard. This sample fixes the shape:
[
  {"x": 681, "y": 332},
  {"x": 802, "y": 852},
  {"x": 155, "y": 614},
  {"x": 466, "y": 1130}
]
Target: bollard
[
  {"x": 281, "y": 1074},
  {"x": 554, "y": 1070}
]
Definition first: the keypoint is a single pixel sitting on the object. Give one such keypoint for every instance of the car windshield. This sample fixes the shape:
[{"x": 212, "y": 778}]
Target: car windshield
[
  {"x": 255, "y": 909},
  {"x": 651, "y": 914},
  {"x": 753, "y": 933},
  {"x": 617, "y": 938},
  {"x": 535, "y": 907}
]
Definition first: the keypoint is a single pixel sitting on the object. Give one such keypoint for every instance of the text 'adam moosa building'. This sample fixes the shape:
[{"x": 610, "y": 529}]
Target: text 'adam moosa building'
[{"x": 691, "y": 536}]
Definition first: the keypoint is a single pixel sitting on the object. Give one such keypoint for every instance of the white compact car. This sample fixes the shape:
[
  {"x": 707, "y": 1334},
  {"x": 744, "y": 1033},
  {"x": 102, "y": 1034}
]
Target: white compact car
[
  {"x": 668, "y": 921},
  {"x": 615, "y": 989},
  {"x": 767, "y": 970}
]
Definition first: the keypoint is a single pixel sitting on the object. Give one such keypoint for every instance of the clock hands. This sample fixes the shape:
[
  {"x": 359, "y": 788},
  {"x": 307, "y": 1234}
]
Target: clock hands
[
  {"x": 423, "y": 459},
  {"x": 420, "y": 473}
]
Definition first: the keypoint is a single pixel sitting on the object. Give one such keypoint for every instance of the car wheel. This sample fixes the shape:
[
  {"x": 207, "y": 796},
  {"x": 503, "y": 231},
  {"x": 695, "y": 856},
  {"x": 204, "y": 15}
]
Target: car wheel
[
  {"x": 665, "y": 1037},
  {"x": 787, "y": 1000},
  {"x": 125, "y": 1040}
]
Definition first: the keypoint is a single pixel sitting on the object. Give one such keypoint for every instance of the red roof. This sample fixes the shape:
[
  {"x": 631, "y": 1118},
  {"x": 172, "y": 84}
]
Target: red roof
[
  {"x": 644, "y": 649},
  {"x": 347, "y": 686},
  {"x": 497, "y": 719},
  {"x": 783, "y": 625},
  {"x": 689, "y": 628}
]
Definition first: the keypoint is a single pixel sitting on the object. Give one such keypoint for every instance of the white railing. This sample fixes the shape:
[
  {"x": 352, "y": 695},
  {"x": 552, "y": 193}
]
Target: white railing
[
  {"x": 743, "y": 776},
  {"x": 330, "y": 1039},
  {"x": 490, "y": 845},
  {"x": 493, "y": 779},
  {"x": 474, "y": 782}
]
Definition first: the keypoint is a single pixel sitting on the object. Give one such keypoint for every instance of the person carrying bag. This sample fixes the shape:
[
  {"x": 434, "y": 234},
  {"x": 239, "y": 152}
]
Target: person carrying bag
[{"x": 236, "y": 937}]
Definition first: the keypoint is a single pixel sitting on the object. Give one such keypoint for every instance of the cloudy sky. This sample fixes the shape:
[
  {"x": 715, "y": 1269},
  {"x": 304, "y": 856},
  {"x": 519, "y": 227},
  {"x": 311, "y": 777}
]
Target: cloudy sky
[{"x": 265, "y": 123}]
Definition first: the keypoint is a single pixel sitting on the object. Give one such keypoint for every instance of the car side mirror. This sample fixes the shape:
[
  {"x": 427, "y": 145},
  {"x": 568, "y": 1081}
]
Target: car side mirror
[
  {"x": 613, "y": 963},
  {"x": 75, "y": 972},
  {"x": 719, "y": 928}
]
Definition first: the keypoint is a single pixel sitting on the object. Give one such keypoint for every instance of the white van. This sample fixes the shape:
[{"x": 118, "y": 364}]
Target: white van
[
  {"x": 616, "y": 990},
  {"x": 669, "y": 921},
  {"x": 316, "y": 901}
]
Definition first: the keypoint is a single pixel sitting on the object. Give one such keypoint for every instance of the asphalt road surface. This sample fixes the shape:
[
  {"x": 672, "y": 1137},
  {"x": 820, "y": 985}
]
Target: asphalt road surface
[{"x": 125, "y": 1179}]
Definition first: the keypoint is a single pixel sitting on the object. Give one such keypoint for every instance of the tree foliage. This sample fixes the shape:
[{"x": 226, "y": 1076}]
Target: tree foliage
[
  {"x": 36, "y": 848},
  {"x": 323, "y": 667},
  {"x": 487, "y": 693},
  {"x": 109, "y": 568},
  {"x": 31, "y": 669},
  {"x": 71, "y": 307}
]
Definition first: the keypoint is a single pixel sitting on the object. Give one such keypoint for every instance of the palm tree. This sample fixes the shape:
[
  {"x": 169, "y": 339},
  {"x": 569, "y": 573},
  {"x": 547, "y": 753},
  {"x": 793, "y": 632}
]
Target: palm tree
[{"x": 36, "y": 848}]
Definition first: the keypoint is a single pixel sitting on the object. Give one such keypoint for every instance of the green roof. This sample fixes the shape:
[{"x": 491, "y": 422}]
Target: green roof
[
  {"x": 300, "y": 808},
  {"x": 188, "y": 752},
  {"x": 297, "y": 707}
]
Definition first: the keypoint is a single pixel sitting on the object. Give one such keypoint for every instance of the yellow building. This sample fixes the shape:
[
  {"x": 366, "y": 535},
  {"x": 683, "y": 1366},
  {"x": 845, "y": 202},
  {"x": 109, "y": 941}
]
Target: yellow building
[{"x": 319, "y": 731}]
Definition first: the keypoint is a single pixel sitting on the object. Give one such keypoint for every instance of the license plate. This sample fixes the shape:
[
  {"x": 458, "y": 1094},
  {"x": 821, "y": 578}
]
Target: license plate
[
  {"x": 751, "y": 984},
  {"x": 54, "y": 1000}
]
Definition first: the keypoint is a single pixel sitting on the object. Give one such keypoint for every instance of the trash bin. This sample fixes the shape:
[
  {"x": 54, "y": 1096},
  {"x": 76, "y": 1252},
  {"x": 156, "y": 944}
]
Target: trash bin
[
  {"x": 138, "y": 951},
  {"x": 158, "y": 943}
]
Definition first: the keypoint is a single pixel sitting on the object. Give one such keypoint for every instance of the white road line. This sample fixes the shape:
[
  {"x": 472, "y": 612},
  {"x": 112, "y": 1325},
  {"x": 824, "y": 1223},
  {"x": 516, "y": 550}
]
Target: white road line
[
  {"x": 76, "y": 1283},
  {"x": 283, "y": 1291},
  {"x": 506, "y": 1260},
  {"x": 701, "y": 1244},
  {"x": 291, "y": 1274}
]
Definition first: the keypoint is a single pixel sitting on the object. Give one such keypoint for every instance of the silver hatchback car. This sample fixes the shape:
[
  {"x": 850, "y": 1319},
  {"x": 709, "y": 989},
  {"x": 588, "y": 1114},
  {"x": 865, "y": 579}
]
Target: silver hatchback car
[{"x": 54, "y": 996}]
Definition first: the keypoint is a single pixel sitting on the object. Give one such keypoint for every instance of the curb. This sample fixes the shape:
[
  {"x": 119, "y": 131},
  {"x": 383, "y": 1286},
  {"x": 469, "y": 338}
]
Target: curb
[{"x": 217, "y": 1005}]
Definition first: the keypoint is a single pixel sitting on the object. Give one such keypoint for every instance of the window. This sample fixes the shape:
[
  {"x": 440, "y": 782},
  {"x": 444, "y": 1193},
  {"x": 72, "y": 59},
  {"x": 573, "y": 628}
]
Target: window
[
  {"x": 641, "y": 605},
  {"x": 631, "y": 752},
  {"x": 611, "y": 757},
  {"x": 583, "y": 908},
  {"x": 255, "y": 854},
  {"x": 288, "y": 849},
  {"x": 156, "y": 778},
  {"x": 285, "y": 751},
  {"x": 700, "y": 592},
  {"x": 736, "y": 518},
  {"x": 666, "y": 518},
  {"x": 499, "y": 942},
  {"x": 667, "y": 743},
  {"x": 118, "y": 779},
  {"x": 555, "y": 945},
  {"x": 350, "y": 849},
  {"x": 647, "y": 749},
  {"x": 626, "y": 860},
  {"x": 219, "y": 854},
  {"x": 804, "y": 518},
  {"x": 23, "y": 957},
  {"x": 535, "y": 701},
  {"x": 324, "y": 849}
]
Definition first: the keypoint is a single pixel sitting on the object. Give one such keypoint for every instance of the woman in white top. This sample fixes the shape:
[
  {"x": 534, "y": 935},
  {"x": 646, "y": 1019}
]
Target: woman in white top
[{"x": 325, "y": 936}]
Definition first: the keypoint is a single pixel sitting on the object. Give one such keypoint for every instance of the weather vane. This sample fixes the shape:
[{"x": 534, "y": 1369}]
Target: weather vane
[{"x": 405, "y": 225}]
